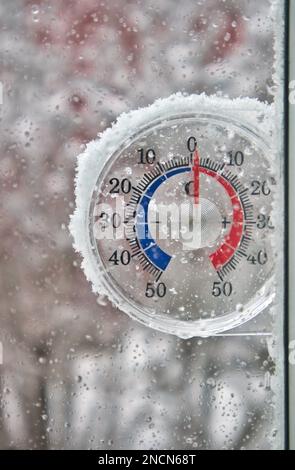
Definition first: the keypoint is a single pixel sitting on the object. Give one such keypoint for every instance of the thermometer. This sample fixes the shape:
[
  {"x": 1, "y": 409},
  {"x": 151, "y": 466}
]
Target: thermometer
[{"x": 176, "y": 214}]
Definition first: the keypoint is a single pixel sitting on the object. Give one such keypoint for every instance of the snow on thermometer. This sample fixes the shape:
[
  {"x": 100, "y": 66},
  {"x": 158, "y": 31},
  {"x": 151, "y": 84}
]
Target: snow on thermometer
[{"x": 175, "y": 213}]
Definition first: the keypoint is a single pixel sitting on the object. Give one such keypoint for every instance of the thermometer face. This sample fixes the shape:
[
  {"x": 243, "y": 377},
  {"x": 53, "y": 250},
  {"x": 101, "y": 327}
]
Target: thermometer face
[{"x": 181, "y": 225}]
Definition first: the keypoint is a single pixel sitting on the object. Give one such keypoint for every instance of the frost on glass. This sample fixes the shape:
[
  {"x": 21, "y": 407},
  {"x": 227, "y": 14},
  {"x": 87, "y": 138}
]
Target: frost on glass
[{"x": 77, "y": 372}]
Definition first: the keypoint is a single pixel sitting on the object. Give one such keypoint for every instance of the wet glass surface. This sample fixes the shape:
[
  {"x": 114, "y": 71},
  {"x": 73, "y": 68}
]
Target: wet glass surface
[{"x": 77, "y": 372}]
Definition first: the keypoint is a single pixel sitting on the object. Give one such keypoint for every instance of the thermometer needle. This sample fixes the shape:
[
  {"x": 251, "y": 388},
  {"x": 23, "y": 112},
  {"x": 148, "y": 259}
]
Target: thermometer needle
[{"x": 196, "y": 172}]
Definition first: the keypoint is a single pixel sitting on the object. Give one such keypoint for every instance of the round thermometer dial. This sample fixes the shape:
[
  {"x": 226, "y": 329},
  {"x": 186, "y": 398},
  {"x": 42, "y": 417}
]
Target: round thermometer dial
[{"x": 180, "y": 223}]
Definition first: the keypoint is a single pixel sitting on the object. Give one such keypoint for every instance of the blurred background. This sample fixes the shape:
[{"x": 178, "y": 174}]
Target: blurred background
[{"x": 77, "y": 373}]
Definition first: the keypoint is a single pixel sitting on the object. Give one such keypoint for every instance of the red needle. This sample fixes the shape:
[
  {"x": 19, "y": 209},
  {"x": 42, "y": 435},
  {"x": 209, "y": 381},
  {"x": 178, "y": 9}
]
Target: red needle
[{"x": 196, "y": 171}]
